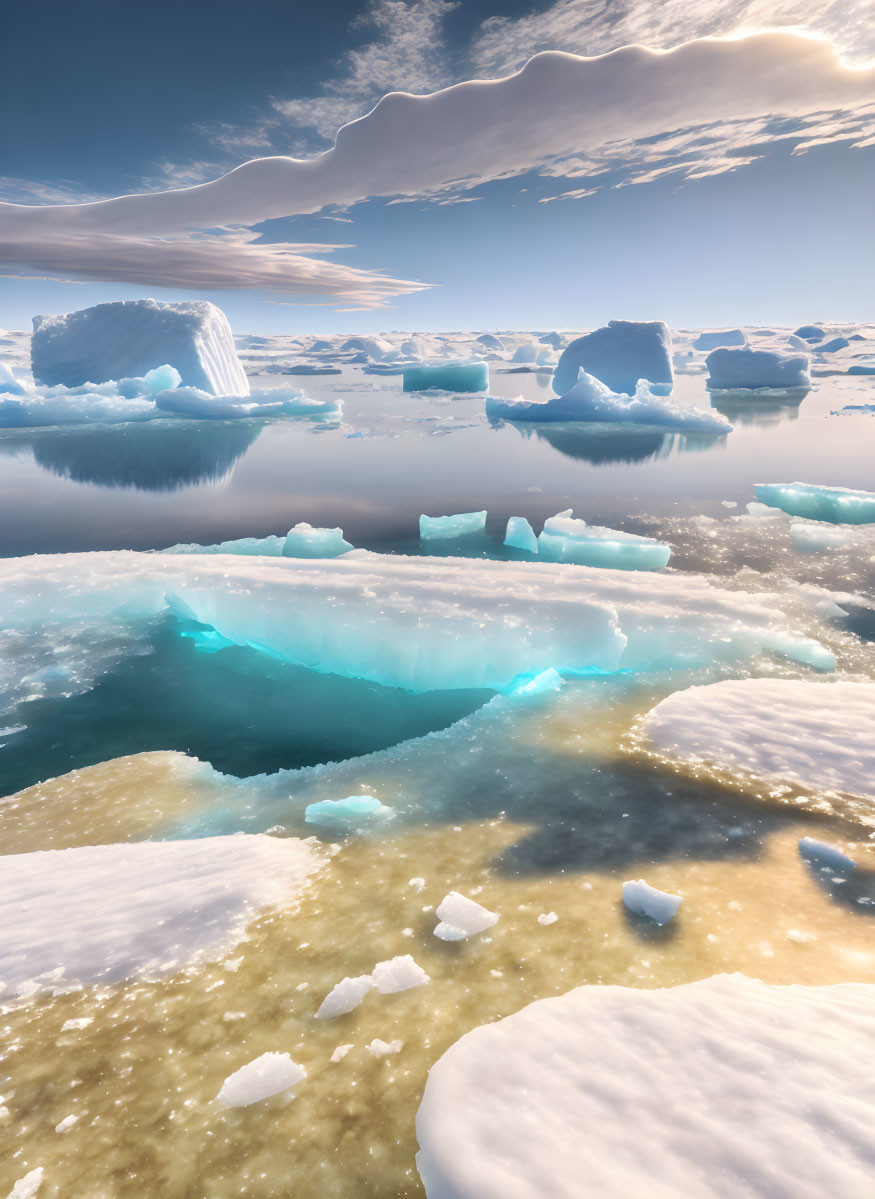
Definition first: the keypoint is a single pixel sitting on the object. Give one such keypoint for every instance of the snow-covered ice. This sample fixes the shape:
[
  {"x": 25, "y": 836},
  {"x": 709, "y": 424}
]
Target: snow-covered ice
[
  {"x": 823, "y": 855},
  {"x": 812, "y": 734},
  {"x": 265, "y": 1076},
  {"x": 461, "y": 524},
  {"x": 9, "y": 384},
  {"x": 733, "y": 367},
  {"x": 128, "y": 338},
  {"x": 380, "y": 1048},
  {"x": 345, "y": 996},
  {"x": 712, "y": 1089},
  {"x": 619, "y": 355},
  {"x": 644, "y": 900},
  {"x": 520, "y": 535},
  {"x": 838, "y": 505},
  {"x": 711, "y": 339},
  {"x": 398, "y": 974},
  {"x": 201, "y": 405},
  {"x": 447, "y": 376},
  {"x": 460, "y": 917},
  {"x": 303, "y": 541},
  {"x": 108, "y": 912},
  {"x": 28, "y": 1187},
  {"x": 588, "y": 399},
  {"x": 346, "y": 811},
  {"x": 566, "y": 539}
]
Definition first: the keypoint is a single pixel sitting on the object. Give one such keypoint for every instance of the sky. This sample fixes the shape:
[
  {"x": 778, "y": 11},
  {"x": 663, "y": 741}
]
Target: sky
[{"x": 706, "y": 162}]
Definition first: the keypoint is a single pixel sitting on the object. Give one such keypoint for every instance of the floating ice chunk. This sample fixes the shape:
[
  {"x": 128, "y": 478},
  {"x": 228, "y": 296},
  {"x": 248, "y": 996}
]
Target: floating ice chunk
[
  {"x": 340, "y": 1053},
  {"x": 813, "y": 734},
  {"x": 9, "y": 385},
  {"x": 77, "y": 1023},
  {"x": 129, "y": 338},
  {"x": 67, "y": 1123},
  {"x": 303, "y": 541},
  {"x": 812, "y": 538},
  {"x": 416, "y": 884},
  {"x": 821, "y": 854},
  {"x": 735, "y": 367},
  {"x": 268, "y": 1075},
  {"x": 461, "y": 917},
  {"x": 591, "y": 400},
  {"x": 448, "y": 376},
  {"x": 547, "y": 918},
  {"x": 619, "y": 354},
  {"x": 383, "y": 1048},
  {"x": 107, "y": 913},
  {"x": 61, "y": 407},
  {"x": 618, "y": 1092},
  {"x": 645, "y": 900},
  {"x": 200, "y": 405},
  {"x": 711, "y": 339},
  {"x": 398, "y": 974},
  {"x": 565, "y": 539},
  {"x": 27, "y": 1187},
  {"x": 527, "y": 352},
  {"x": 345, "y": 996},
  {"x": 253, "y": 547},
  {"x": 438, "y": 528},
  {"x": 837, "y": 505},
  {"x": 542, "y": 684},
  {"x": 520, "y": 535},
  {"x": 346, "y": 811}
]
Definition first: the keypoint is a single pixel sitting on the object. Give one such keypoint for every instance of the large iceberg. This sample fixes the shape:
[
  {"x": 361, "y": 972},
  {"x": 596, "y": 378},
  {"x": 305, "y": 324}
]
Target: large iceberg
[
  {"x": 591, "y": 400},
  {"x": 735, "y": 367},
  {"x": 128, "y": 338},
  {"x": 711, "y": 339},
  {"x": 838, "y": 505},
  {"x": 565, "y": 539},
  {"x": 619, "y": 354},
  {"x": 447, "y": 376},
  {"x": 713, "y": 1090}
]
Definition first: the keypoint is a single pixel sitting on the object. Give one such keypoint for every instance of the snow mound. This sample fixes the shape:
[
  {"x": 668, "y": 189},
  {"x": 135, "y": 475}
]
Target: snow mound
[
  {"x": 712, "y": 339},
  {"x": 733, "y": 367},
  {"x": 588, "y": 399},
  {"x": 129, "y": 338},
  {"x": 713, "y": 1089},
  {"x": 837, "y": 505},
  {"x": 813, "y": 734},
  {"x": 565, "y": 539},
  {"x": 108, "y": 912},
  {"x": 619, "y": 355},
  {"x": 267, "y": 1075}
]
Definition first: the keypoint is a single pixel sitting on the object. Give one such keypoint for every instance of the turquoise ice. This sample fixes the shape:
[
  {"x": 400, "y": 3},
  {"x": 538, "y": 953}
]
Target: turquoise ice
[
  {"x": 520, "y": 535},
  {"x": 303, "y": 541},
  {"x": 448, "y": 376},
  {"x": 838, "y": 505},
  {"x": 462, "y": 524},
  {"x": 345, "y": 811},
  {"x": 565, "y": 539}
]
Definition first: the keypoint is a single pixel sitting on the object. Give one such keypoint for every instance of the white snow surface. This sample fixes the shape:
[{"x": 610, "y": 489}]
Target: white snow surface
[
  {"x": 111, "y": 912},
  {"x": 27, "y": 1187},
  {"x": 130, "y": 337},
  {"x": 814, "y": 734},
  {"x": 712, "y": 1090},
  {"x": 267, "y": 1075}
]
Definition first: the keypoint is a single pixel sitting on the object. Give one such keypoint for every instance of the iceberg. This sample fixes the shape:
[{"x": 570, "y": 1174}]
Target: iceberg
[
  {"x": 460, "y": 918},
  {"x": 268, "y": 1075},
  {"x": 447, "y": 376},
  {"x": 619, "y": 355},
  {"x": 303, "y": 541},
  {"x": 837, "y": 505},
  {"x": 745, "y": 368},
  {"x": 527, "y": 352},
  {"x": 201, "y": 405},
  {"x": 345, "y": 811},
  {"x": 565, "y": 539},
  {"x": 462, "y": 524},
  {"x": 809, "y": 332},
  {"x": 593, "y": 401},
  {"x": 128, "y": 338},
  {"x": 9, "y": 385},
  {"x": 644, "y": 900},
  {"x": 490, "y": 341},
  {"x": 520, "y": 535},
  {"x": 712, "y": 339},
  {"x": 616, "y": 1092}
]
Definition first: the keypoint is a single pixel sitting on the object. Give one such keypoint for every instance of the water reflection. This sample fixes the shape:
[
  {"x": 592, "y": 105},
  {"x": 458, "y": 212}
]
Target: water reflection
[
  {"x": 606, "y": 443},
  {"x": 158, "y": 456},
  {"x": 769, "y": 408}
]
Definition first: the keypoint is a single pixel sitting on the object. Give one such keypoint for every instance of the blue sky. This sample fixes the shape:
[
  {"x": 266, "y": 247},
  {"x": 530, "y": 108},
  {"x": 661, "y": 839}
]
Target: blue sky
[{"x": 650, "y": 196}]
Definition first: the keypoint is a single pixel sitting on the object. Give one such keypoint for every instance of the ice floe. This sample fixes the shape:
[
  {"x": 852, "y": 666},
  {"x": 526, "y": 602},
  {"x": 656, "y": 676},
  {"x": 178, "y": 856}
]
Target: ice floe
[
  {"x": 447, "y": 376},
  {"x": 461, "y": 524},
  {"x": 838, "y": 505},
  {"x": 460, "y": 917},
  {"x": 712, "y": 1089},
  {"x": 565, "y": 539}
]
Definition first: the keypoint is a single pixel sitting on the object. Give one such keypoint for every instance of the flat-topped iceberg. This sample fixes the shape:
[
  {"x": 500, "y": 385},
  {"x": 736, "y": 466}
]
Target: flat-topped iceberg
[
  {"x": 619, "y": 355},
  {"x": 743, "y": 367},
  {"x": 128, "y": 338},
  {"x": 442, "y": 528},
  {"x": 837, "y": 505},
  {"x": 200, "y": 405},
  {"x": 303, "y": 541},
  {"x": 566, "y": 539},
  {"x": 712, "y": 1090},
  {"x": 712, "y": 339},
  {"x": 590, "y": 400},
  {"x": 447, "y": 376}
]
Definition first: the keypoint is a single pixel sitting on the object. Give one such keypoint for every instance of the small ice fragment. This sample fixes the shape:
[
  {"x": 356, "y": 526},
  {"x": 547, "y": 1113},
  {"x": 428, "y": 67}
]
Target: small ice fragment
[
  {"x": 520, "y": 535},
  {"x": 340, "y": 1053},
  {"x": 565, "y": 539},
  {"x": 345, "y": 996},
  {"x": 303, "y": 541},
  {"x": 447, "y": 376},
  {"x": 837, "y": 505},
  {"x": 416, "y": 884},
  {"x": 802, "y": 938},
  {"x": 548, "y": 680},
  {"x": 435, "y": 528},
  {"x": 345, "y": 811},
  {"x": 547, "y": 918},
  {"x": 27, "y": 1187},
  {"x": 260, "y": 1079},
  {"x": 67, "y": 1123},
  {"x": 729, "y": 503},
  {"x": 461, "y": 917},
  {"x": 645, "y": 900},
  {"x": 398, "y": 974},
  {"x": 821, "y": 854},
  {"x": 381, "y": 1048},
  {"x": 79, "y": 1023}
]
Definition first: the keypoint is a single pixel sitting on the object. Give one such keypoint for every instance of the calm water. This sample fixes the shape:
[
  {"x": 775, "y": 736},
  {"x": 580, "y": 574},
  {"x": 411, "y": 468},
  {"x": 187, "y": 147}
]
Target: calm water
[{"x": 392, "y": 456}]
